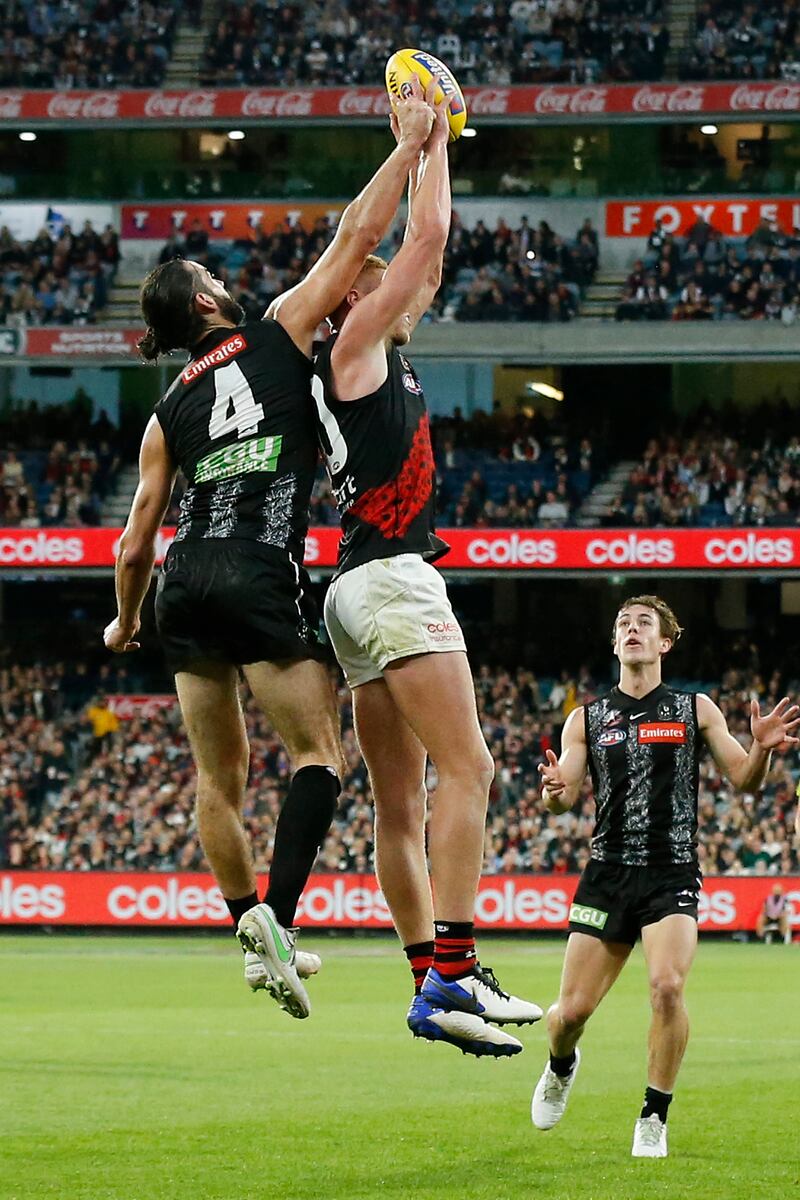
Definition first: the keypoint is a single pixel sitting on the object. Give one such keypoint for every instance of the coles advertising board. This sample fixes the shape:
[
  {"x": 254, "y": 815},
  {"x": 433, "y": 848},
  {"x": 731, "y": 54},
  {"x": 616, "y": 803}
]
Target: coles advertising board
[
  {"x": 574, "y": 550},
  {"x": 505, "y": 902}
]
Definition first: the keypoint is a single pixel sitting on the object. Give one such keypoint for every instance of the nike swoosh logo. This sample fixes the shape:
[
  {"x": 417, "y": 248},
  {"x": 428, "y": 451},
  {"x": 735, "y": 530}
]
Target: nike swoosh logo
[
  {"x": 636, "y": 716},
  {"x": 685, "y": 903},
  {"x": 283, "y": 954}
]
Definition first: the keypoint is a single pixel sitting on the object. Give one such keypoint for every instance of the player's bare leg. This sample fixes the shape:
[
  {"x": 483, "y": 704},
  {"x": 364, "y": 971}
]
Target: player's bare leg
[
  {"x": 591, "y": 967},
  {"x": 298, "y": 700},
  {"x": 669, "y": 947},
  {"x": 435, "y": 695},
  {"x": 396, "y": 760},
  {"x": 212, "y": 714}
]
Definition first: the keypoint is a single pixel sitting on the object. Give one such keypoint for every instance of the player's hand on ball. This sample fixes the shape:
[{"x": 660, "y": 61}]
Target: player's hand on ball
[
  {"x": 118, "y": 639},
  {"x": 440, "y": 132},
  {"x": 550, "y": 774},
  {"x": 412, "y": 118},
  {"x": 773, "y": 732}
]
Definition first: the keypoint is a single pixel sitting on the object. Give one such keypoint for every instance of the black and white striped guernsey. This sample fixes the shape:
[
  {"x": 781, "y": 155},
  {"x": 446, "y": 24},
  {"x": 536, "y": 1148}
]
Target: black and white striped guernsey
[{"x": 644, "y": 762}]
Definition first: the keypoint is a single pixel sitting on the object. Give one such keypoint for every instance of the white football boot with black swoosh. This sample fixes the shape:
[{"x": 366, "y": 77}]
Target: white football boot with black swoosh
[{"x": 261, "y": 933}]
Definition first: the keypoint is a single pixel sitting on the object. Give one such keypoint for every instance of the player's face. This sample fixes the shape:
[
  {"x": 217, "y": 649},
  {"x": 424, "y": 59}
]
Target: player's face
[
  {"x": 215, "y": 288},
  {"x": 637, "y": 636}
]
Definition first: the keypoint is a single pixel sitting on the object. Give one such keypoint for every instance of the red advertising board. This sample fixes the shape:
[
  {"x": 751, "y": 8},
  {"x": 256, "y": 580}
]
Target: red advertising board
[
  {"x": 733, "y": 216},
  {"x": 145, "y": 705},
  {"x": 505, "y": 902},
  {"x": 656, "y": 550},
  {"x": 645, "y": 101},
  {"x": 221, "y": 221}
]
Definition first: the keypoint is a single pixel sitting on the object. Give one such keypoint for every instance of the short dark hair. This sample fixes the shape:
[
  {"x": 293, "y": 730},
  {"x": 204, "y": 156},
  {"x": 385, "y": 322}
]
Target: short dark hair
[
  {"x": 167, "y": 303},
  {"x": 667, "y": 621}
]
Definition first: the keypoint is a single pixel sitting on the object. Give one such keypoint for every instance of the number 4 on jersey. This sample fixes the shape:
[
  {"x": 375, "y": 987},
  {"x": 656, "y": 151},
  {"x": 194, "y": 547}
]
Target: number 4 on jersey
[{"x": 235, "y": 407}]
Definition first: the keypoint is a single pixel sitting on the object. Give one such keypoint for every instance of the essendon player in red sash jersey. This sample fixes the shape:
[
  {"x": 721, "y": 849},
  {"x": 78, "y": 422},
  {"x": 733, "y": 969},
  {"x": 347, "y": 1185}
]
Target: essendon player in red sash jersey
[
  {"x": 395, "y": 633},
  {"x": 641, "y": 743},
  {"x": 239, "y": 422}
]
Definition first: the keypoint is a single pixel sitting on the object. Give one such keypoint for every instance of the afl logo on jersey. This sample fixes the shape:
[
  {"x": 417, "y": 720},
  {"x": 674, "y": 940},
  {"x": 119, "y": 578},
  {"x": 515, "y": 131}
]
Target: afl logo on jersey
[
  {"x": 612, "y": 737},
  {"x": 412, "y": 384}
]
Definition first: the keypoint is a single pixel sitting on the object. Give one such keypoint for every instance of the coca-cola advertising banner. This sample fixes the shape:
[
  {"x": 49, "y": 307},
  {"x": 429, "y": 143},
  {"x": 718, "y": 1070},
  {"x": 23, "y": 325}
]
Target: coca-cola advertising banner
[
  {"x": 220, "y": 221},
  {"x": 139, "y": 705},
  {"x": 648, "y": 101},
  {"x": 505, "y": 902},
  {"x": 575, "y": 550},
  {"x": 732, "y": 216}
]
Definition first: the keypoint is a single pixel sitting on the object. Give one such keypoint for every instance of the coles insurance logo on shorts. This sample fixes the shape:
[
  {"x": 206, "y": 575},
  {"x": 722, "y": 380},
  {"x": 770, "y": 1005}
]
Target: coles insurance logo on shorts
[{"x": 667, "y": 732}]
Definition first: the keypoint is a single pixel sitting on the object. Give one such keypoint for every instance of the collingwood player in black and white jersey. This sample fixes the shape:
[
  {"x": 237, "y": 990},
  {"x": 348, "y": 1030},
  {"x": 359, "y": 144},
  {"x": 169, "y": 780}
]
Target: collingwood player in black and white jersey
[
  {"x": 239, "y": 423},
  {"x": 642, "y": 743}
]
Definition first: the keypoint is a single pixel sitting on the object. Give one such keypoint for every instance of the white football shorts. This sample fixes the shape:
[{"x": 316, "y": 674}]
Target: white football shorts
[{"x": 389, "y": 609}]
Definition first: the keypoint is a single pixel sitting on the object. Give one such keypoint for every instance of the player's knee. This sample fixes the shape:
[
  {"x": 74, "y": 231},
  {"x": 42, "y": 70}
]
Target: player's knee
[
  {"x": 224, "y": 783},
  {"x": 472, "y": 770},
  {"x": 400, "y": 813},
  {"x": 666, "y": 991},
  {"x": 574, "y": 1011}
]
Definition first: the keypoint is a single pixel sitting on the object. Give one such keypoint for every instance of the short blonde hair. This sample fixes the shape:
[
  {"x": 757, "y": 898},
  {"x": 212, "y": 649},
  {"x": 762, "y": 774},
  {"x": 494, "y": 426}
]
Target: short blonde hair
[
  {"x": 375, "y": 262},
  {"x": 667, "y": 621}
]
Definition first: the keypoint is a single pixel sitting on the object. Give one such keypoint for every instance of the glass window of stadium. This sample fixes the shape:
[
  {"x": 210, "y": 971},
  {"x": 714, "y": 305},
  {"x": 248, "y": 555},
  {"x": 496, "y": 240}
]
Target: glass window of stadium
[{"x": 521, "y": 160}]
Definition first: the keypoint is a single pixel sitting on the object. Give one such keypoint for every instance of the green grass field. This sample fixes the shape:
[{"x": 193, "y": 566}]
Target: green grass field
[{"x": 142, "y": 1069}]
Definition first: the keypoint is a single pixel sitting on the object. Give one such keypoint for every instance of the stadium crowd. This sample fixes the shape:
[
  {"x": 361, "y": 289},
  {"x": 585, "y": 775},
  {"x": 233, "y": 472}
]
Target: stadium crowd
[
  {"x": 757, "y": 40},
  {"x": 705, "y": 276},
  {"x": 57, "y": 278},
  {"x": 504, "y": 274},
  {"x": 82, "y": 788},
  {"x": 525, "y": 41},
  {"x": 58, "y": 471},
  {"x": 92, "y": 44},
  {"x": 710, "y": 477}
]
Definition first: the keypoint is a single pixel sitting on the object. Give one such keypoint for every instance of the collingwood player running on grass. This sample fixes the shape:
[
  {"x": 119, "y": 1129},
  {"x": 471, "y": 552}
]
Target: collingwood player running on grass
[
  {"x": 642, "y": 743},
  {"x": 239, "y": 422},
  {"x": 396, "y": 636}
]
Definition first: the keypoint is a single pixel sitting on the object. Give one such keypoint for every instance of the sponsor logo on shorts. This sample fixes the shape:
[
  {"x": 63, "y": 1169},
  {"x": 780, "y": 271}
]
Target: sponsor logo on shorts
[
  {"x": 444, "y": 631},
  {"x": 667, "y": 732},
  {"x": 612, "y": 737},
  {"x": 241, "y": 458},
  {"x": 580, "y": 914}
]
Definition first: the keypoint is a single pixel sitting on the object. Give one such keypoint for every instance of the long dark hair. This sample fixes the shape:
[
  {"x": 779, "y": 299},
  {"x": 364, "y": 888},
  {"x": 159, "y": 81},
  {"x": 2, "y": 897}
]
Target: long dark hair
[{"x": 167, "y": 303}]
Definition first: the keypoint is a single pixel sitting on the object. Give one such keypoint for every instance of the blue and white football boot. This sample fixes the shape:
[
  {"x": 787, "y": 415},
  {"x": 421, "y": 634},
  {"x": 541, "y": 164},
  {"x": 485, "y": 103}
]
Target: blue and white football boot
[
  {"x": 469, "y": 1033},
  {"x": 479, "y": 993}
]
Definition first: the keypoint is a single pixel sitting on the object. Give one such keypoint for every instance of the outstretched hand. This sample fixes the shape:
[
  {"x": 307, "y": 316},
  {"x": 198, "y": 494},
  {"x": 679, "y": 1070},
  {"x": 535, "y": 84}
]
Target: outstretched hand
[
  {"x": 773, "y": 732},
  {"x": 550, "y": 775},
  {"x": 412, "y": 116}
]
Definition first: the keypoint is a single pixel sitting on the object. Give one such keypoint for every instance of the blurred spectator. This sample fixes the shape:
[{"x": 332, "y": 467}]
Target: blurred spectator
[
  {"x": 58, "y": 278},
  {"x": 756, "y": 41}
]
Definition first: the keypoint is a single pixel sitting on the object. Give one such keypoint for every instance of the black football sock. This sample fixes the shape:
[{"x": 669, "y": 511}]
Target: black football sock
[
  {"x": 656, "y": 1102},
  {"x": 301, "y": 829},
  {"x": 237, "y": 908},
  {"x": 420, "y": 959},
  {"x": 562, "y": 1066}
]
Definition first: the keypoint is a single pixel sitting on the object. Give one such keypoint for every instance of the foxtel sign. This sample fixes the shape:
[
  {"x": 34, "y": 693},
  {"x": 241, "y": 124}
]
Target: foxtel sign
[
  {"x": 733, "y": 216},
  {"x": 173, "y": 900},
  {"x": 490, "y": 550}
]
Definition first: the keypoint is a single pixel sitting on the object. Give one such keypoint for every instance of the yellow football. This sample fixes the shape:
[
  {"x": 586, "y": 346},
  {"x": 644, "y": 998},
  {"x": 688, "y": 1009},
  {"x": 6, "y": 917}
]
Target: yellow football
[{"x": 405, "y": 63}]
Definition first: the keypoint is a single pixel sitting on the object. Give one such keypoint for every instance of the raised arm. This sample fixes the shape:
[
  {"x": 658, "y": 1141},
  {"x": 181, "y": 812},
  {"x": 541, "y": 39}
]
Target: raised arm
[
  {"x": 363, "y": 225},
  {"x": 562, "y": 777},
  {"x": 137, "y": 545},
  {"x": 747, "y": 770},
  {"x": 359, "y": 357}
]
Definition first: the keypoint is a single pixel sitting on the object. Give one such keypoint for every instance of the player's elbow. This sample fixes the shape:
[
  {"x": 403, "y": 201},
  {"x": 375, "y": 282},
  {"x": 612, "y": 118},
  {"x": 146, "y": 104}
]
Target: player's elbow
[
  {"x": 135, "y": 549},
  {"x": 359, "y": 230}
]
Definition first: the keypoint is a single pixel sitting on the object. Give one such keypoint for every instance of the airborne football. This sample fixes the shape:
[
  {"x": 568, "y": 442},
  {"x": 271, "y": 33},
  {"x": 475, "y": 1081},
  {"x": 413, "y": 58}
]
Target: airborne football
[{"x": 399, "y": 600}]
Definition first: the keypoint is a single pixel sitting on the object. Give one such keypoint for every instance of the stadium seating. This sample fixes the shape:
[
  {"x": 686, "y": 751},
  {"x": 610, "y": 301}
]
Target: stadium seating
[
  {"x": 61, "y": 277},
  {"x": 124, "y": 800},
  {"x": 752, "y": 41},
  {"x": 98, "y": 44}
]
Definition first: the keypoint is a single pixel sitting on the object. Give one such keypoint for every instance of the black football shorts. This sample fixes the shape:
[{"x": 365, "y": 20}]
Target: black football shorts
[
  {"x": 614, "y": 903},
  {"x": 234, "y": 601}
]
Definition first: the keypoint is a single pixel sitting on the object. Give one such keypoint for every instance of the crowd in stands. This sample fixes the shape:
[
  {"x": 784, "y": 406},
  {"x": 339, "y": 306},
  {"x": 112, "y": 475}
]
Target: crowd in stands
[
  {"x": 57, "y": 478},
  {"x": 525, "y": 41},
  {"x": 710, "y": 474},
  {"x": 59, "y": 277},
  {"x": 756, "y": 40},
  {"x": 505, "y": 274},
  {"x": 88, "y": 44},
  {"x": 82, "y": 788},
  {"x": 704, "y": 276}
]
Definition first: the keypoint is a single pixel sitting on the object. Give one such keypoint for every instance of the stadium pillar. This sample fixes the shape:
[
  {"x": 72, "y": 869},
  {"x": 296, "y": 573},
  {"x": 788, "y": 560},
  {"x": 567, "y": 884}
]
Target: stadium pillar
[{"x": 730, "y": 609}]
